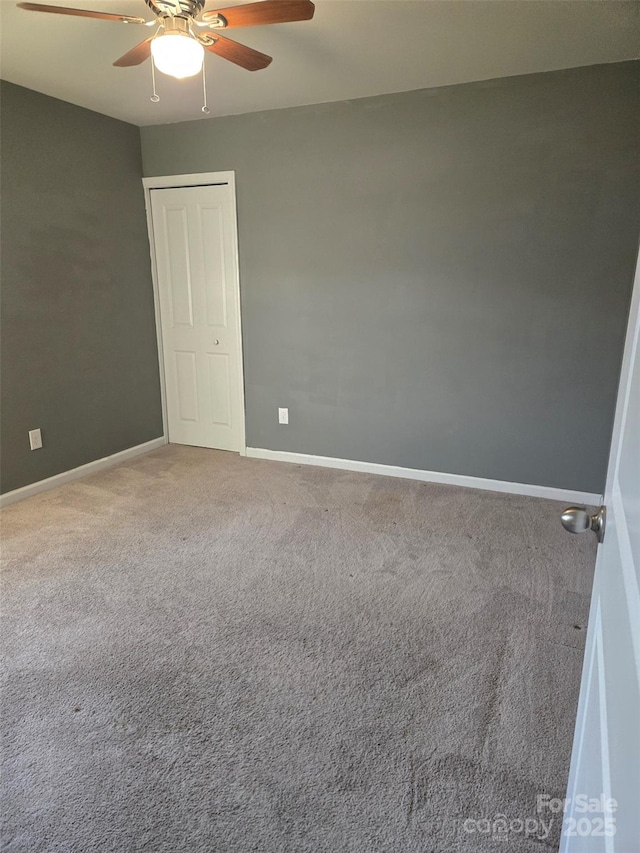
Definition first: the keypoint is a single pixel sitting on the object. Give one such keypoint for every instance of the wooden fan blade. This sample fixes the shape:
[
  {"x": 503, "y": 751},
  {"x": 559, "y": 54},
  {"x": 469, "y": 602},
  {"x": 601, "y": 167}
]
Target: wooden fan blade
[
  {"x": 135, "y": 56},
  {"x": 245, "y": 57},
  {"x": 264, "y": 12},
  {"x": 80, "y": 13}
]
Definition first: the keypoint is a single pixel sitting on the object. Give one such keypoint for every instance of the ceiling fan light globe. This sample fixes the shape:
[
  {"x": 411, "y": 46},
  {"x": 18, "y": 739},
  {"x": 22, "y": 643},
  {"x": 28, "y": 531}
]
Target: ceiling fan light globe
[{"x": 177, "y": 55}]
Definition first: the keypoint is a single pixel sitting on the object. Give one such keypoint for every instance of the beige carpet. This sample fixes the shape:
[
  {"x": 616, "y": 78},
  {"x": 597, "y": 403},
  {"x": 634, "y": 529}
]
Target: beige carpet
[{"x": 211, "y": 653}]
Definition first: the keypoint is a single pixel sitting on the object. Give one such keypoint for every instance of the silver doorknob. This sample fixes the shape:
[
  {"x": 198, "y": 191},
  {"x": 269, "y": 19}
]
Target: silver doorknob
[{"x": 577, "y": 519}]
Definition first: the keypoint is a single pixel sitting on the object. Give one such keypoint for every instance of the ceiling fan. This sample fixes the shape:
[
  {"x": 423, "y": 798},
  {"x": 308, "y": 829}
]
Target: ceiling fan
[{"x": 178, "y": 45}]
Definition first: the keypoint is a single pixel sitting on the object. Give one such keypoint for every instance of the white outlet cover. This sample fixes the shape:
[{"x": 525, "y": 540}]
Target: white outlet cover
[
  {"x": 283, "y": 416},
  {"x": 35, "y": 439}
]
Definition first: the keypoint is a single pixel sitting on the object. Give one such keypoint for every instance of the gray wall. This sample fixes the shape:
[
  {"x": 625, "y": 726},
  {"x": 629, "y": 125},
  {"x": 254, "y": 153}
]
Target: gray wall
[
  {"x": 436, "y": 279},
  {"x": 79, "y": 356}
]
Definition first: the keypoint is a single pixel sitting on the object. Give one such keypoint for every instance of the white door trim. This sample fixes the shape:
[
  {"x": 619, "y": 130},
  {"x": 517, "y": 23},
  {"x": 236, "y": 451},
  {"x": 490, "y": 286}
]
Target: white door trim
[{"x": 195, "y": 180}]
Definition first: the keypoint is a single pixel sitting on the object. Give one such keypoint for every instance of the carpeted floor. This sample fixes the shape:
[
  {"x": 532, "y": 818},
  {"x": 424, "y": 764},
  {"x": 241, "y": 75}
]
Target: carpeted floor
[{"x": 211, "y": 653}]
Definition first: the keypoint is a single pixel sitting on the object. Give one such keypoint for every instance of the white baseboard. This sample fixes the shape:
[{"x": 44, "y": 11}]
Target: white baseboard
[
  {"x": 81, "y": 471},
  {"x": 430, "y": 476}
]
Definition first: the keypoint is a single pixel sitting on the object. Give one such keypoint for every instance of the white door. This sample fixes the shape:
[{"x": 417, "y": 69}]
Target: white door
[
  {"x": 194, "y": 234},
  {"x": 603, "y": 797}
]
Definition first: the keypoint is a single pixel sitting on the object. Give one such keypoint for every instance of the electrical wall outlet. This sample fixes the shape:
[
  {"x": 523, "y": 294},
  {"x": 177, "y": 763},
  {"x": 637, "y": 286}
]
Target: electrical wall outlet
[
  {"x": 283, "y": 416},
  {"x": 35, "y": 439}
]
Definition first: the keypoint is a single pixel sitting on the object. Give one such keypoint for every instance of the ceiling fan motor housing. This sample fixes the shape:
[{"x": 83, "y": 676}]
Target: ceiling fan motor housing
[{"x": 182, "y": 8}]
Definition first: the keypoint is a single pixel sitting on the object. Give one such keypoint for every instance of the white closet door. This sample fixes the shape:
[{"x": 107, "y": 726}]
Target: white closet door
[
  {"x": 602, "y": 812},
  {"x": 195, "y": 247}
]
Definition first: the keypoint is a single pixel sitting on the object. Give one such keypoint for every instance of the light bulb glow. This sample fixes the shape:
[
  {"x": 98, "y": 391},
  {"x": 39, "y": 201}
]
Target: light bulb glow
[{"x": 177, "y": 54}]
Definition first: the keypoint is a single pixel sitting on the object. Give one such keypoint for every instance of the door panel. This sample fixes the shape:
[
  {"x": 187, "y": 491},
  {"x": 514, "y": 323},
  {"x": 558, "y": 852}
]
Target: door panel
[
  {"x": 214, "y": 266},
  {"x": 177, "y": 260},
  {"x": 195, "y": 248},
  {"x": 220, "y": 384},
  {"x": 605, "y": 762},
  {"x": 187, "y": 384}
]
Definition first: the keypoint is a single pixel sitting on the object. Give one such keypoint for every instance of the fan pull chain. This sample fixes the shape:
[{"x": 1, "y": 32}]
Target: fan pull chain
[
  {"x": 205, "y": 108},
  {"x": 155, "y": 97}
]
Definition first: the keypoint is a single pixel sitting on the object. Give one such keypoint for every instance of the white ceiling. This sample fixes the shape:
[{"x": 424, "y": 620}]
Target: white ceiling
[{"x": 351, "y": 49}]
